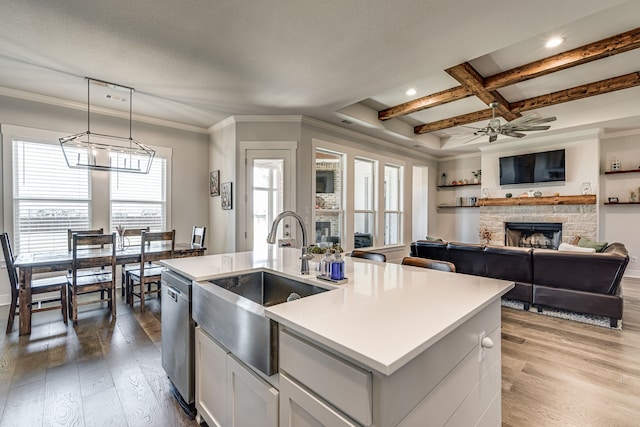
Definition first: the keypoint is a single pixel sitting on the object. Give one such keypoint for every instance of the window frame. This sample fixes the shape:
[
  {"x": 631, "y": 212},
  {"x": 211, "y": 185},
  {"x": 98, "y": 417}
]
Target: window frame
[{"x": 399, "y": 212}]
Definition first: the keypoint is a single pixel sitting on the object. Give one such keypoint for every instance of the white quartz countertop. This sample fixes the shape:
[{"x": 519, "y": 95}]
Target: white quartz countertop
[{"x": 382, "y": 318}]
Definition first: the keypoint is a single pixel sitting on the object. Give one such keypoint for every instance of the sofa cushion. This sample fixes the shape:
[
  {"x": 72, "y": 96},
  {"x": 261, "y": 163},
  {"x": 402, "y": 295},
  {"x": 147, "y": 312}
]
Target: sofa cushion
[
  {"x": 430, "y": 249},
  {"x": 588, "y": 243},
  {"x": 467, "y": 257},
  {"x": 565, "y": 247},
  {"x": 588, "y": 272},
  {"x": 509, "y": 263}
]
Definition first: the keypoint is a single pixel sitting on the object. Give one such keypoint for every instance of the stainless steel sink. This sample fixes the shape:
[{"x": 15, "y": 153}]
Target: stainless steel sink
[{"x": 231, "y": 310}]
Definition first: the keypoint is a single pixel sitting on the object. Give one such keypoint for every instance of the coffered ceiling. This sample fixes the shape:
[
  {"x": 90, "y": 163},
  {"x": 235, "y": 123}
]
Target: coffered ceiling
[{"x": 195, "y": 62}]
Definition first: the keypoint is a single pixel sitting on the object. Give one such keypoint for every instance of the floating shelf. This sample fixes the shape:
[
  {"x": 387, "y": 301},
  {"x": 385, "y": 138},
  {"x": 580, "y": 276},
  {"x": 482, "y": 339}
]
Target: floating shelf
[
  {"x": 619, "y": 172},
  {"x": 456, "y": 186},
  {"x": 454, "y": 206},
  {"x": 623, "y": 203},
  {"x": 552, "y": 200}
]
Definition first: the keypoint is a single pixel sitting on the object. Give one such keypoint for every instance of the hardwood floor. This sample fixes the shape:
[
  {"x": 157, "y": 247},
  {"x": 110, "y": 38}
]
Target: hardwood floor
[
  {"x": 561, "y": 373},
  {"x": 555, "y": 372},
  {"x": 99, "y": 373}
]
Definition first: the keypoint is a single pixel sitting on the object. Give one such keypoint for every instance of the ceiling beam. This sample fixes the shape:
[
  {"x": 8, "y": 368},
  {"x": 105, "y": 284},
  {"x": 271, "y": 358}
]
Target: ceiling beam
[
  {"x": 451, "y": 122},
  {"x": 433, "y": 100},
  {"x": 610, "y": 46},
  {"x": 579, "y": 92},
  {"x": 601, "y": 49},
  {"x": 468, "y": 77}
]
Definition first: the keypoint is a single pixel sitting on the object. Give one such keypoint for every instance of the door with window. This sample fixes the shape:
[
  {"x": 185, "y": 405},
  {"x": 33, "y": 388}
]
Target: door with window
[{"x": 268, "y": 192}]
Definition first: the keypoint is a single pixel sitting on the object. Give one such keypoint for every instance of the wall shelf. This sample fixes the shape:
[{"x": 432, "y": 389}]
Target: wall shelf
[
  {"x": 589, "y": 199},
  {"x": 454, "y": 206},
  {"x": 621, "y": 172},
  {"x": 446, "y": 187},
  {"x": 623, "y": 203}
]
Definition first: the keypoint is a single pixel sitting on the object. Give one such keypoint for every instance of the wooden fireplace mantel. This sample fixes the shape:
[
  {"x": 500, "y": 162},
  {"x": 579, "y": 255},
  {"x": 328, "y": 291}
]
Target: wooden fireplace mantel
[{"x": 538, "y": 201}]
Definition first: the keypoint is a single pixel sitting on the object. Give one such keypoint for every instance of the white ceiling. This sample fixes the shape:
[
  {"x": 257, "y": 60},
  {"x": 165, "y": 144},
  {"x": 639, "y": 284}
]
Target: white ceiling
[{"x": 196, "y": 62}]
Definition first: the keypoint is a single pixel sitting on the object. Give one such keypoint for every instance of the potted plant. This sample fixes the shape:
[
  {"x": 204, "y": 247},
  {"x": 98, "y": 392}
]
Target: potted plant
[{"x": 476, "y": 176}]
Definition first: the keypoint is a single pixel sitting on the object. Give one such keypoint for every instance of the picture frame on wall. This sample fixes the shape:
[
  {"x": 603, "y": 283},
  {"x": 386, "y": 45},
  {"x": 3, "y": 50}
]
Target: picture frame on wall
[
  {"x": 214, "y": 183},
  {"x": 226, "y": 199}
]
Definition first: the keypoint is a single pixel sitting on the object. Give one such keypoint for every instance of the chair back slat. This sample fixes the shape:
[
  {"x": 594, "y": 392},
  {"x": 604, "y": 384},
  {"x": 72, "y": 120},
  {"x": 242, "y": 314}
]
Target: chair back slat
[
  {"x": 197, "y": 236},
  {"x": 71, "y": 232},
  {"x": 103, "y": 253},
  {"x": 371, "y": 256},
  {"x": 429, "y": 263},
  {"x": 164, "y": 247}
]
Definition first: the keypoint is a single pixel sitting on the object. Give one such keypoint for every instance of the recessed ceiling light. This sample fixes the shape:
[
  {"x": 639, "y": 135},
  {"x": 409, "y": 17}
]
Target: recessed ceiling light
[
  {"x": 553, "y": 42},
  {"x": 411, "y": 92}
]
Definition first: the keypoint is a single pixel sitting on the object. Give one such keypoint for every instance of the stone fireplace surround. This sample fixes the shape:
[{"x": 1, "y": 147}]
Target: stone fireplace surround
[{"x": 577, "y": 220}]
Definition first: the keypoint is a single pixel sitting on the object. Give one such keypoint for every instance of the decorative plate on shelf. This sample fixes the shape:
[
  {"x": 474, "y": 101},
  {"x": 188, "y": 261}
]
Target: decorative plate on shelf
[{"x": 319, "y": 202}]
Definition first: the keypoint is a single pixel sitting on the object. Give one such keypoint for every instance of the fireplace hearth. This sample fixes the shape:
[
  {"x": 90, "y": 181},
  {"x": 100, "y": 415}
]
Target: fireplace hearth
[{"x": 546, "y": 235}]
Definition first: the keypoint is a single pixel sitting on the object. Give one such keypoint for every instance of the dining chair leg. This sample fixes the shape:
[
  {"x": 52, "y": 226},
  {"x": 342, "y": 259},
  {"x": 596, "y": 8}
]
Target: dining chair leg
[
  {"x": 74, "y": 308},
  {"x": 113, "y": 300},
  {"x": 63, "y": 303},
  {"x": 141, "y": 296},
  {"x": 12, "y": 315}
]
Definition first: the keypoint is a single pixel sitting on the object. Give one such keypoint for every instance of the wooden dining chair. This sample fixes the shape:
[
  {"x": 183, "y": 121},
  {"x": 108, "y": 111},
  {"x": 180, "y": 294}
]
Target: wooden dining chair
[
  {"x": 102, "y": 259},
  {"x": 134, "y": 236},
  {"x": 197, "y": 236},
  {"x": 371, "y": 256},
  {"x": 154, "y": 246},
  {"x": 429, "y": 263},
  {"x": 38, "y": 287}
]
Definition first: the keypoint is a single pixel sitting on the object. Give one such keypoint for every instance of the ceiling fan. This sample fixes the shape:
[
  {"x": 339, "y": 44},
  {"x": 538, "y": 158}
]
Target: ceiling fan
[{"x": 514, "y": 128}]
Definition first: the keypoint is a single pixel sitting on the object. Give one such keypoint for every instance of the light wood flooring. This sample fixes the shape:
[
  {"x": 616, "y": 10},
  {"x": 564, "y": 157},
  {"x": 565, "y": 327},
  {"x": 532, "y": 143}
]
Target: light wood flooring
[{"x": 555, "y": 372}]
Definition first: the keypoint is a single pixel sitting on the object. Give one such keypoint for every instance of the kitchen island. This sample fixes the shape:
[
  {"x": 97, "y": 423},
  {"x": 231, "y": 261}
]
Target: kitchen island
[{"x": 396, "y": 345}]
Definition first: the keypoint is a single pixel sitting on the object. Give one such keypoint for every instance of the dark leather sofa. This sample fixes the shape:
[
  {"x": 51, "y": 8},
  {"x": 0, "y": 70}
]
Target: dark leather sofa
[{"x": 581, "y": 282}]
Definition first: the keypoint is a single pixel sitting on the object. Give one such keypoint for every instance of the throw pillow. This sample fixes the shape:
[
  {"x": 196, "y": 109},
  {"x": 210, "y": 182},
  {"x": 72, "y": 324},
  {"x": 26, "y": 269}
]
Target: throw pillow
[
  {"x": 434, "y": 239},
  {"x": 565, "y": 247},
  {"x": 587, "y": 243}
]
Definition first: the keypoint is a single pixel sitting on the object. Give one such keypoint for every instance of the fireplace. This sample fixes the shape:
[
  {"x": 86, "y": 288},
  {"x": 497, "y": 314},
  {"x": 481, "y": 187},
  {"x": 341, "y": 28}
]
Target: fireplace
[{"x": 547, "y": 235}]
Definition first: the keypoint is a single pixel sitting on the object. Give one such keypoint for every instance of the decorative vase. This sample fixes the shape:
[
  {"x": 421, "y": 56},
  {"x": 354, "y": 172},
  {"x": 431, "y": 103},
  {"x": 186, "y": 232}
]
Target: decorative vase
[{"x": 443, "y": 179}]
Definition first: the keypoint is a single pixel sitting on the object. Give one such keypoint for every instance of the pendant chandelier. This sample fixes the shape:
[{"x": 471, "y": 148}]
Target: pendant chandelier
[{"x": 90, "y": 150}]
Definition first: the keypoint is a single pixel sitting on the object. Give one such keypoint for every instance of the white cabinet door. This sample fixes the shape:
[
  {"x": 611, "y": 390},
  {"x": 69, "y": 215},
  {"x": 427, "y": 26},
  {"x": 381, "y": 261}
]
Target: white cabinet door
[
  {"x": 299, "y": 408},
  {"x": 251, "y": 400},
  {"x": 211, "y": 380}
]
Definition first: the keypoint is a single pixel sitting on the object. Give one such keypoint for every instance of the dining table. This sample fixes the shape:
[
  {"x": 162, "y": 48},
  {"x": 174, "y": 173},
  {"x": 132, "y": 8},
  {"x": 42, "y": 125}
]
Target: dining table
[{"x": 29, "y": 264}]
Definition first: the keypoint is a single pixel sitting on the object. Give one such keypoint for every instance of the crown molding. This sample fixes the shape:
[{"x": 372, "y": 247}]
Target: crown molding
[{"x": 59, "y": 102}]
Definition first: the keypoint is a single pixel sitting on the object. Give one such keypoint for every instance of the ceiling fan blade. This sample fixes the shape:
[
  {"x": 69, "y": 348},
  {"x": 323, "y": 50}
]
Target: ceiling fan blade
[
  {"x": 529, "y": 128},
  {"x": 512, "y": 133},
  {"x": 523, "y": 119}
]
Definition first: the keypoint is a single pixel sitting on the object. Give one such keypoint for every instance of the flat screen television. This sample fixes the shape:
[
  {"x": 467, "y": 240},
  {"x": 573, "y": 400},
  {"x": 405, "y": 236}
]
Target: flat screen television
[
  {"x": 545, "y": 166},
  {"x": 324, "y": 181}
]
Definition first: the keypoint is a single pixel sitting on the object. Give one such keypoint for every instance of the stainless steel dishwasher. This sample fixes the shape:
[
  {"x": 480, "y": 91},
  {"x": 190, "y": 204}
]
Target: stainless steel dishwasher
[{"x": 178, "y": 338}]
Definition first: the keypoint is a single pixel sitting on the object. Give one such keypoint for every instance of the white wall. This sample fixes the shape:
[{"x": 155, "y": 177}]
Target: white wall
[
  {"x": 621, "y": 223},
  {"x": 189, "y": 203},
  {"x": 457, "y": 224},
  {"x": 226, "y": 137}
]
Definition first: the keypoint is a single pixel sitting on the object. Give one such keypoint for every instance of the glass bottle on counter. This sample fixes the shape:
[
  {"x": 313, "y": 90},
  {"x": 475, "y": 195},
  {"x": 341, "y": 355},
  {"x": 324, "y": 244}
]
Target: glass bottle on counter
[
  {"x": 337, "y": 267},
  {"x": 325, "y": 264}
]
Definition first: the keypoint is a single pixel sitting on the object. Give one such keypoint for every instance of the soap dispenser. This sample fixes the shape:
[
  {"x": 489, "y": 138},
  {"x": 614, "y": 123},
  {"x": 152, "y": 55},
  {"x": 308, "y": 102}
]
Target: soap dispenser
[{"x": 337, "y": 267}]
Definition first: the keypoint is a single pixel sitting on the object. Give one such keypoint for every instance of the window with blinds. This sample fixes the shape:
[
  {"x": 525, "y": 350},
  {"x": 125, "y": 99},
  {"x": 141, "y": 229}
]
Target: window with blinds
[
  {"x": 139, "y": 200},
  {"x": 48, "y": 197}
]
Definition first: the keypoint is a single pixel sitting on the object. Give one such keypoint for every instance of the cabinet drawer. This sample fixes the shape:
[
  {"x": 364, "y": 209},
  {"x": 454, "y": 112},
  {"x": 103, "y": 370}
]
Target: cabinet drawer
[{"x": 342, "y": 384}]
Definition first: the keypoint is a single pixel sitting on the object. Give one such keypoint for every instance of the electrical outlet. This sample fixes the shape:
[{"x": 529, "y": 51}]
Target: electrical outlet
[{"x": 634, "y": 259}]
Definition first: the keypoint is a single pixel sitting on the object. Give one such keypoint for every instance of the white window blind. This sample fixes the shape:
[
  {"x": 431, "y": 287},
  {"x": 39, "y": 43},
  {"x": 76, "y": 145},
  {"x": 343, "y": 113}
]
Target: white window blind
[
  {"x": 48, "y": 197},
  {"x": 139, "y": 200}
]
